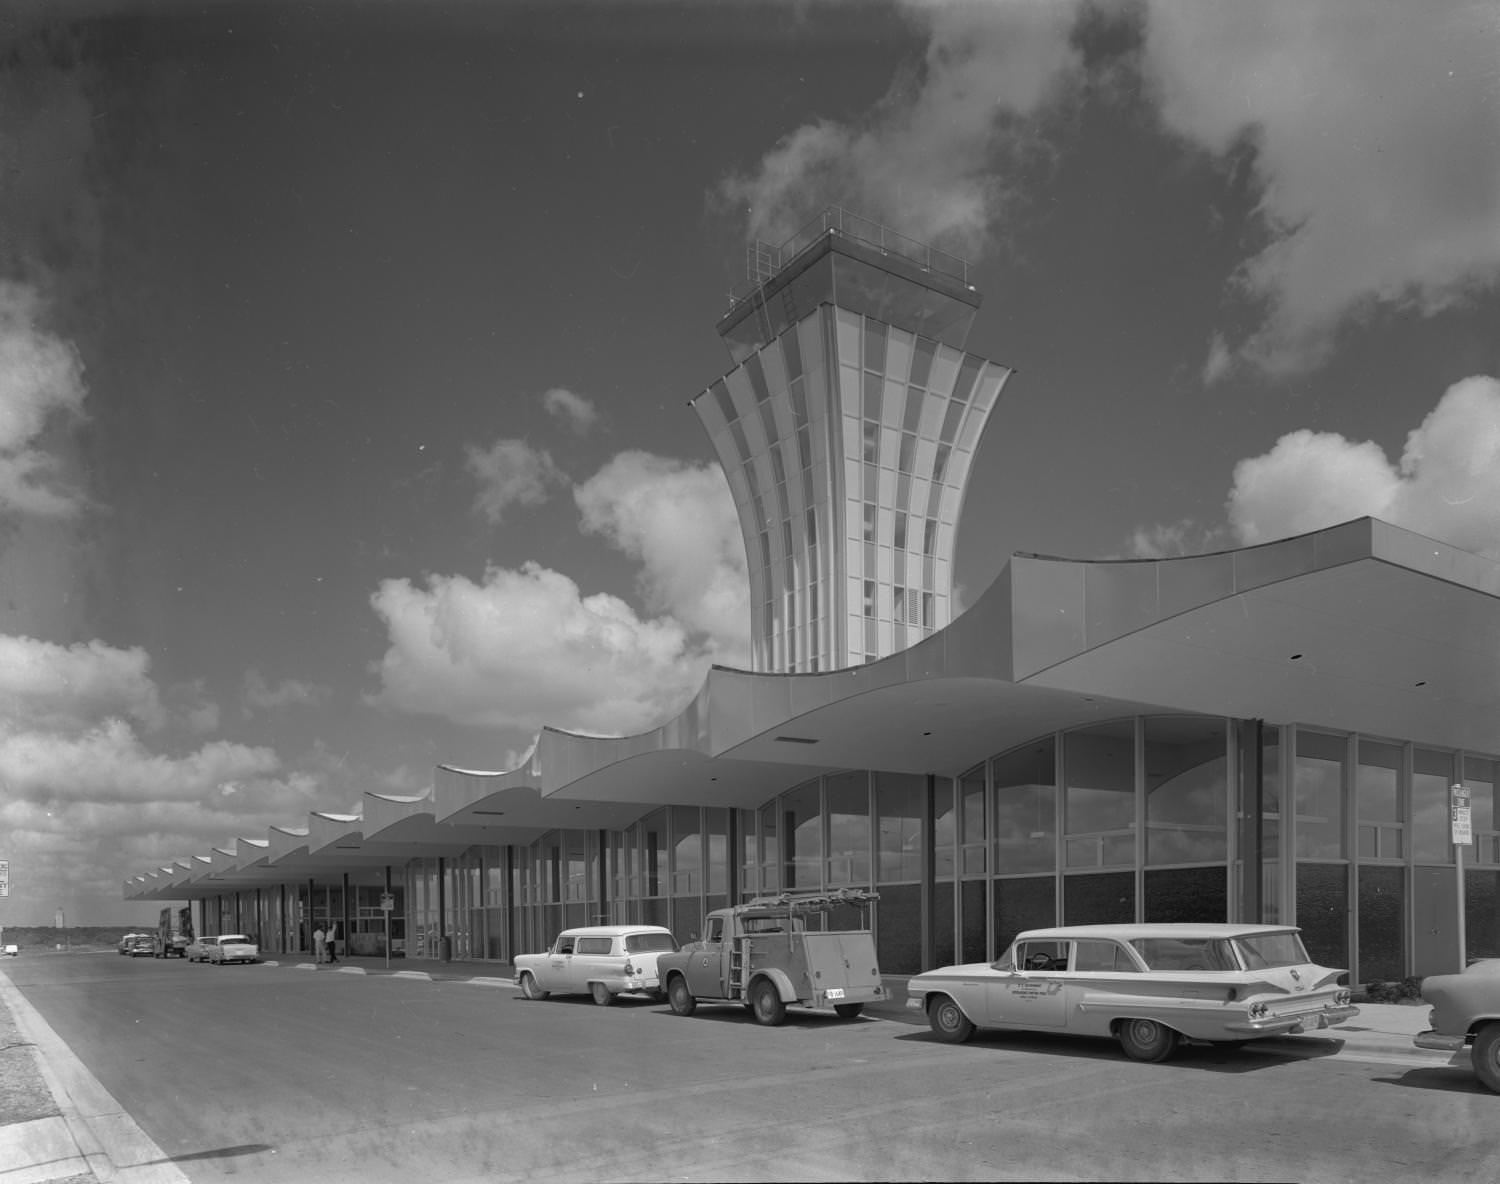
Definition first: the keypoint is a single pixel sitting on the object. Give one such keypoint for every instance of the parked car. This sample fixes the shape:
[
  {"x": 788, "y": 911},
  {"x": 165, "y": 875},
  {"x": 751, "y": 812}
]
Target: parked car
[
  {"x": 232, "y": 947},
  {"x": 197, "y": 949},
  {"x": 141, "y": 946},
  {"x": 1149, "y": 986},
  {"x": 598, "y": 960},
  {"x": 12, "y": 950},
  {"x": 124, "y": 946},
  {"x": 1466, "y": 1014}
]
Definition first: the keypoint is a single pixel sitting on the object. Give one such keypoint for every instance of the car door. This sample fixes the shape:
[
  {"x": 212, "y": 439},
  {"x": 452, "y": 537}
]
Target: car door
[
  {"x": 559, "y": 965},
  {"x": 1028, "y": 993},
  {"x": 705, "y": 962}
]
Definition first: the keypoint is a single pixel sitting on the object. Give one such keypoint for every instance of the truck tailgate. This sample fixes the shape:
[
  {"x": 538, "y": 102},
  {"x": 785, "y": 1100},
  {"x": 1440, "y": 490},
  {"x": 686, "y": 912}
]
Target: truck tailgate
[{"x": 842, "y": 960}]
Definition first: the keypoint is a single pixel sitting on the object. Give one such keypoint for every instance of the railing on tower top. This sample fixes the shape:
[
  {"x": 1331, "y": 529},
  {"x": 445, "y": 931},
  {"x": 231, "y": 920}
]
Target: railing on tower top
[{"x": 763, "y": 261}]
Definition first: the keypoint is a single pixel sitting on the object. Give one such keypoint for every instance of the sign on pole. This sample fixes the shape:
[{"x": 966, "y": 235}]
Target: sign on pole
[
  {"x": 4, "y": 877},
  {"x": 1460, "y": 821}
]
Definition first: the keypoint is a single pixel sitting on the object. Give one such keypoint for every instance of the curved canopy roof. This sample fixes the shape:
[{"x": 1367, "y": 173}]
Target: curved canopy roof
[{"x": 1360, "y": 627}]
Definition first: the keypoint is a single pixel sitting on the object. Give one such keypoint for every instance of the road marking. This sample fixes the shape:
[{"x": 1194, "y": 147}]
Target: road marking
[{"x": 114, "y": 1147}]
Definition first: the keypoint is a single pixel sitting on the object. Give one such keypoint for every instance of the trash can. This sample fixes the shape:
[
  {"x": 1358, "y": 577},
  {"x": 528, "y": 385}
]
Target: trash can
[{"x": 445, "y": 948}]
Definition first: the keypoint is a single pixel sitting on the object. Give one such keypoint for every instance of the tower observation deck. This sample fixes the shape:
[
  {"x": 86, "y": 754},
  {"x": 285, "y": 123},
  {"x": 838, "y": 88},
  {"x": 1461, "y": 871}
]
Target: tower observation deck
[{"x": 847, "y": 429}]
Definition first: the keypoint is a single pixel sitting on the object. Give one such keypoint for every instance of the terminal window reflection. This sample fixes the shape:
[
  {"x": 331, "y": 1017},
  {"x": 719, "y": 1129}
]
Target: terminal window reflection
[
  {"x": 1320, "y": 800},
  {"x": 1099, "y": 801},
  {"x": 1187, "y": 790},
  {"x": 1025, "y": 782}
]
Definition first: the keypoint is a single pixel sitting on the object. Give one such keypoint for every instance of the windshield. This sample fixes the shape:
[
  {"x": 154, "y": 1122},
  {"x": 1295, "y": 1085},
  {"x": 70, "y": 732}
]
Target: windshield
[
  {"x": 649, "y": 943},
  {"x": 1266, "y": 950},
  {"x": 1186, "y": 953}
]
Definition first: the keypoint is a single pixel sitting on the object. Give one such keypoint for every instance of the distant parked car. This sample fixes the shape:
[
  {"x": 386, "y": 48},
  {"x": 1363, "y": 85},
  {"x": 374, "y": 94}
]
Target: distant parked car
[
  {"x": 124, "y": 946},
  {"x": 1148, "y": 986},
  {"x": 598, "y": 960},
  {"x": 1466, "y": 1014},
  {"x": 232, "y": 947},
  {"x": 12, "y": 950},
  {"x": 197, "y": 949},
  {"x": 141, "y": 946}
]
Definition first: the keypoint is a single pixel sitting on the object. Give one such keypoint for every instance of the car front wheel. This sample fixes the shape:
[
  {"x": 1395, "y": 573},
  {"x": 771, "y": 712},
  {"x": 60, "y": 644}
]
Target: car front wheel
[
  {"x": 1147, "y": 1040},
  {"x": 948, "y": 1021},
  {"x": 1486, "y": 1056},
  {"x": 680, "y": 997},
  {"x": 530, "y": 989},
  {"x": 765, "y": 1000}
]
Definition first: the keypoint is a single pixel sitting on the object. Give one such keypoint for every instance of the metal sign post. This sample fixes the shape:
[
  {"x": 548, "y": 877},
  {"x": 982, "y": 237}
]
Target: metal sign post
[
  {"x": 387, "y": 903},
  {"x": 1462, "y": 835}
]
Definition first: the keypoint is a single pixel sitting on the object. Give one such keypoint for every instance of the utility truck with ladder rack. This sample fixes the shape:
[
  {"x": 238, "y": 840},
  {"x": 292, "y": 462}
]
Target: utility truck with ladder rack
[{"x": 767, "y": 954}]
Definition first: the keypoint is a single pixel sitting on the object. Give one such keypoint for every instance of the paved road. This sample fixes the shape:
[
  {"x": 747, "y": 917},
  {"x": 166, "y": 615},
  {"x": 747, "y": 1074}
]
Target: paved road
[{"x": 271, "y": 1073}]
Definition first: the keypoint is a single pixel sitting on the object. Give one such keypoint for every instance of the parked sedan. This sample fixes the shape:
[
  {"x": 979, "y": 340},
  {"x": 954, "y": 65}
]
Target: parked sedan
[
  {"x": 1466, "y": 1014},
  {"x": 1149, "y": 986},
  {"x": 125, "y": 943},
  {"x": 197, "y": 949},
  {"x": 232, "y": 947},
  {"x": 141, "y": 946},
  {"x": 598, "y": 960}
]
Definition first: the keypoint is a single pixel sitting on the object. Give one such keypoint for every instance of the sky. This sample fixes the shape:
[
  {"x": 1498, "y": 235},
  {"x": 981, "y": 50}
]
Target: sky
[{"x": 346, "y": 349}]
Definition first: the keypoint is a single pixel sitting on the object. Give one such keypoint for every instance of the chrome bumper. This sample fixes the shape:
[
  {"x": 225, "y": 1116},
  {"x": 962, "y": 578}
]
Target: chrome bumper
[
  {"x": 1440, "y": 1041},
  {"x": 1291, "y": 1025}
]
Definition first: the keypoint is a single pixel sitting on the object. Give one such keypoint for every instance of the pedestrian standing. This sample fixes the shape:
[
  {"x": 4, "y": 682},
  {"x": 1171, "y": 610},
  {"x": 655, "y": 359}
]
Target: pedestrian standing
[
  {"x": 320, "y": 947},
  {"x": 332, "y": 937}
]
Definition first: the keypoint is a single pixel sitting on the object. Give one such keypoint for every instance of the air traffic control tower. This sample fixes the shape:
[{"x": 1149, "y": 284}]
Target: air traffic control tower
[{"x": 847, "y": 429}]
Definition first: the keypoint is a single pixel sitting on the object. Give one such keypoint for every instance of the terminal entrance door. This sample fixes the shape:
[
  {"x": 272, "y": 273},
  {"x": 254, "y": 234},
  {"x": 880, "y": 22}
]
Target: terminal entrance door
[{"x": 1435, "y": 921}]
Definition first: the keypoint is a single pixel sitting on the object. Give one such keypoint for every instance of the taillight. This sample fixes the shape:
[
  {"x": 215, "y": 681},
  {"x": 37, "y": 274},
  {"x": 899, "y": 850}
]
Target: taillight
[{"x": 629, "y": 969}]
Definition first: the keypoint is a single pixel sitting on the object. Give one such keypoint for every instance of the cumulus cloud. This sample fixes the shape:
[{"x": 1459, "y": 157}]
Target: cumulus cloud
[
  {"x": 922, "y": 160},
  {"x": 679, "y": 521},
  {"x": 523, "y": 648},
  {"x": 41, "y": 380},
  {"x": 49, "y": 686},
  {"x": 1373, "y": 128},
  {"x": 259, "y": 695},
  {"x": 511, "y": 472},
  {"x": 1445, "y": 485},
  {"x": 578, "y": 413}
]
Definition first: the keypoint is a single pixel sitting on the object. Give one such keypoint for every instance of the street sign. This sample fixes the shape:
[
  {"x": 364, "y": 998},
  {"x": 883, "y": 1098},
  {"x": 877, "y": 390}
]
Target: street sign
[
  {"x": 1460, "y": 821},
  {"x": 387, "y": 902}
]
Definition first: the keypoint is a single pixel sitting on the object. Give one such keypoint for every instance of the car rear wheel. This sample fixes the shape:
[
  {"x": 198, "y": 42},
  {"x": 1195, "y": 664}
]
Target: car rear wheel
[
  {"x": 948, "y": 1021},
  {"x": 603, "y": 996},
  {"x": 1147, "y": 1040},
  {"x": 530, "y": 989},
  {"x": 1486, "y": 1056},
  {"x": 847, "y": 1011},
  {"x": 766, "y": 1004},
  {"x": 680, "y": 997}
]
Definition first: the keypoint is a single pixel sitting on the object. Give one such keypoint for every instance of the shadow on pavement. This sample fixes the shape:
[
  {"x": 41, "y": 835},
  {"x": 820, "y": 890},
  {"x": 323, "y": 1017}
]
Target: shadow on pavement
[
  {"x": 1197, "y": 1057},
  {"x": 1448, "y": 1079}
]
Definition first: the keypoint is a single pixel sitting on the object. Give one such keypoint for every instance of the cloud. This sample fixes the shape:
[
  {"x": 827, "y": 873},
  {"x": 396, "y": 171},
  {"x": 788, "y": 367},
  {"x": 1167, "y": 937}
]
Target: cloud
[
  {"x": 48, "y": 686},
  {"x": 578, "y": 413},
  {"x": 260, "y": 695},
  {"x": 523, "y": 648},
  {"x": 510, "y": 472},
  {"x": 1446, "y": 484},
  {"x": 1373, "y": 130},
  {"x": 41, "y": 379},
  {"x": 923, "y": 160},
  {"x": 679, "y": 521}
]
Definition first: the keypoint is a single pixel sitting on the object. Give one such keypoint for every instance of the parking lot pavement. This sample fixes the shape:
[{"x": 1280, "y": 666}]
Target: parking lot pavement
[
  {"x": 58, "y": 1125},
  {"x": 55, "y": 1118}
]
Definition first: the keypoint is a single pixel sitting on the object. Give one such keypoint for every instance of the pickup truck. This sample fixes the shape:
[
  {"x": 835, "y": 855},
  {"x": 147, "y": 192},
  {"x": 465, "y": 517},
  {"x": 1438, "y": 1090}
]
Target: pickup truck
[{"x": 763, "y": 955}]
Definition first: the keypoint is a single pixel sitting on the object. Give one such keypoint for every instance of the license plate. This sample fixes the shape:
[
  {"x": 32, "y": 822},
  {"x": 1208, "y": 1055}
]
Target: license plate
[{"x": 834, "y": 992}]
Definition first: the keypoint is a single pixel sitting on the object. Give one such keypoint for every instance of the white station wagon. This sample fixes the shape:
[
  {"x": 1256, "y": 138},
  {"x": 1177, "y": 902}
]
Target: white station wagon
[
  {"x": 1148, "y": 986},
  {"x": 599, "y": 960}
]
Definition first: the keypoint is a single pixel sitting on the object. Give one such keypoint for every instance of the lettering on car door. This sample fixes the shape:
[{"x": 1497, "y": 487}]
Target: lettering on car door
[{"x": 1030, "y": 992}]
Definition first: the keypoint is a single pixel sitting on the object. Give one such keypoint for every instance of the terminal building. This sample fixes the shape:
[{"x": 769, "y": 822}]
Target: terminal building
[{"x": 1275, "y": 733}]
